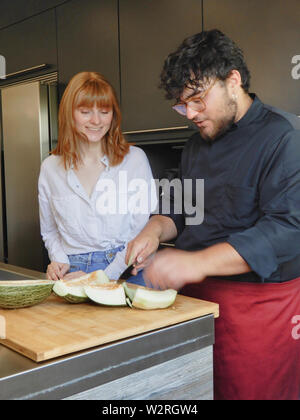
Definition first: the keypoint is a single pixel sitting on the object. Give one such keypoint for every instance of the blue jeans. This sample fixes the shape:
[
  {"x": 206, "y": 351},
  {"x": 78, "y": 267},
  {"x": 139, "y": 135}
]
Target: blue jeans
[{"x": 99, "y": 260}]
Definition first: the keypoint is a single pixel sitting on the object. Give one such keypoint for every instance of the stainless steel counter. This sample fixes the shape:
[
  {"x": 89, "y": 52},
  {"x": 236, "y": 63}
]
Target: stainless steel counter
[
  {"x": 21, "y": 378},
  {"x": 11, "y": 272}
]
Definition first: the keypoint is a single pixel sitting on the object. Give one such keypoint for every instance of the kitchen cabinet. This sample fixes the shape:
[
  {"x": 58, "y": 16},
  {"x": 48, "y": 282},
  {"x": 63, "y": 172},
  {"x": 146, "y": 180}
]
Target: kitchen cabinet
[
  {"x": 17, "y": 10},
  {"x": 149, "y": 31},
  {"x": 88, "y": 40},
  {"x": 30, "y": 43},
  {"x": 268, "y": 32}
]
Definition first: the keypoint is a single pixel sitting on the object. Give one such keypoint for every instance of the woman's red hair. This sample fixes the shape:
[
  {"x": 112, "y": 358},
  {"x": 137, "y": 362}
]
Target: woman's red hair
[{"x": 88, "y": 89}]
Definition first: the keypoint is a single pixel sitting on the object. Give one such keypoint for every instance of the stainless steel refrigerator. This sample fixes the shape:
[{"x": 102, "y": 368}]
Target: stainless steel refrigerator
[{"x": 28, "y": 131}]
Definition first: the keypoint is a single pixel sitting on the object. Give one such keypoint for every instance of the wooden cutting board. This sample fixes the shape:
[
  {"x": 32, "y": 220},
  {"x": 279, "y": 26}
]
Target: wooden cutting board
[{"x": 56, "y": 328}]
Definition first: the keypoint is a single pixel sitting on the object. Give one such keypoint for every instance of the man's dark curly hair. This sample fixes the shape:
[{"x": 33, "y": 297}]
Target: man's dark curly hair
[{"x": 206, "y": 55}]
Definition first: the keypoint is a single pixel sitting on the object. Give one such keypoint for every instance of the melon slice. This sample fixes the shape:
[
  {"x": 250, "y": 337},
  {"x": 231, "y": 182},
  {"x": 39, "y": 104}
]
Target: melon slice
[
  {"x": 70, "y": 290},
  {"x": 23, "y": 293},
  {"x": 110, "y": 294},
  {"x": 73, "y": 290},
  {"x": 145, "y": 298},
  {"x": 98, "y": 277}
]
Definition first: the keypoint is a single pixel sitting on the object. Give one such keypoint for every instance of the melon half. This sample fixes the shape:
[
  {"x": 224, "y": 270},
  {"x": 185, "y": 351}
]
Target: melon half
[{"x": 23, "y": 293}]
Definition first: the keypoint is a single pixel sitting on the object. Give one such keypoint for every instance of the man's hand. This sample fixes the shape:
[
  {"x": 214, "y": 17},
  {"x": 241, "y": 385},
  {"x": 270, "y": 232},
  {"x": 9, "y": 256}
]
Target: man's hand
[
  {"x": 57, "y": 270},
  {"x": 172, "y": 269},
  {"x": 139, "y": 249},
  {"x": 158, "y": 229}
]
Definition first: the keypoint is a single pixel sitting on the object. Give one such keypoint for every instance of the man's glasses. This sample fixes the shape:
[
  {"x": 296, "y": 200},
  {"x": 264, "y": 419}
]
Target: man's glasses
[{"x": 196, "y": 102}]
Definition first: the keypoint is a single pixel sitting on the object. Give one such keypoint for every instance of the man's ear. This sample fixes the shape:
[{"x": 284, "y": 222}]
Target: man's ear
[{"x": 234, "y": 80}]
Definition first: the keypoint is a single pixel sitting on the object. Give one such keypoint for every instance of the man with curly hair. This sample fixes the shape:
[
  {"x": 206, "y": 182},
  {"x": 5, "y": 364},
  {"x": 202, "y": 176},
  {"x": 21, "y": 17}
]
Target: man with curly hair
[{"x": 245, "y": 255}]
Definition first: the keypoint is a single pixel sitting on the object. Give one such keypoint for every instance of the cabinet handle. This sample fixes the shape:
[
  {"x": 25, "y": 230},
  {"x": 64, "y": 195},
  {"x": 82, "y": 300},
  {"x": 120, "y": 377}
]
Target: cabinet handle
[
  {"x": 28, "y": 70},
  {"x": 157, "y": 130}
]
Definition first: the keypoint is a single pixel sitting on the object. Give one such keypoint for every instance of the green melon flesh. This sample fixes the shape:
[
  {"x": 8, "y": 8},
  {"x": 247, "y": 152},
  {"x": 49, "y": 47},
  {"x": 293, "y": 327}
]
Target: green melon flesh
[
  {"x": 73, "y": 290},
  {"x": 107, "y": 294},
  {"x": 130, "y": 291},
  {"x": 145, "y": 298},
  {"x": 23, "y": 293}
]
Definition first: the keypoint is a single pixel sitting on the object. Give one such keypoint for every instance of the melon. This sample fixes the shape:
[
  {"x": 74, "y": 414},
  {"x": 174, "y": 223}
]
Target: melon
[
  {"x": 23, "y": 293},
  {"x": 110, "y": 294},
  {"x": 145, "y": 298},
  {"x": 129, "y": 290},
  {"x": 73, "y": 290}
]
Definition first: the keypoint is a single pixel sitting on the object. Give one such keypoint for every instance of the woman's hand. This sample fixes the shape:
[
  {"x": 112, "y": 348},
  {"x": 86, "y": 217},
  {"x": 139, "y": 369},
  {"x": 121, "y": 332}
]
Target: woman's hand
[
  {"x": 57, "y": 270},
  {"x": 74, "y": 275}
]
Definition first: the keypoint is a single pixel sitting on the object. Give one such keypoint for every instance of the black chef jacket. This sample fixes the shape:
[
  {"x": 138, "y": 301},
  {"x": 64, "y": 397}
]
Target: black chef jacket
[{"x": 251, "y": 194}]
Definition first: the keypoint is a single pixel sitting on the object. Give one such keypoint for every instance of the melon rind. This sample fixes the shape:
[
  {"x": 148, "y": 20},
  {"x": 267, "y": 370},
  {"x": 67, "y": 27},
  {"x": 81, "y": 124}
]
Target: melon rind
[
  {"x": 153, "y": 299},
  {"x": 16, "y": 294}
]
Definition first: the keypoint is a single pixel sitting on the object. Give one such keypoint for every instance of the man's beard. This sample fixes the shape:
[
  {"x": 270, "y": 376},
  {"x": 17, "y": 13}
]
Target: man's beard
[{"x": 222, "y": 124}]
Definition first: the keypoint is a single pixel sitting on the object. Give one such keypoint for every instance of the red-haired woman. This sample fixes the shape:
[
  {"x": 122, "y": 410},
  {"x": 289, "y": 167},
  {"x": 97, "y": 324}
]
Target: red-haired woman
[{"x": 95, "y": 190}]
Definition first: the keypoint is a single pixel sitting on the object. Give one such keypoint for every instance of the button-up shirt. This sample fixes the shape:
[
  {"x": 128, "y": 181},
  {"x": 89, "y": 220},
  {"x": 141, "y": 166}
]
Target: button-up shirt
[
  {"x": 251, "y": 193},
  {"x": 74, "y": 223}
]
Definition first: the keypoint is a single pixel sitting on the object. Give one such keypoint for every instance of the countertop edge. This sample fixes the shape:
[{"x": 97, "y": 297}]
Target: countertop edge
[{"x": 66, "y": 376}]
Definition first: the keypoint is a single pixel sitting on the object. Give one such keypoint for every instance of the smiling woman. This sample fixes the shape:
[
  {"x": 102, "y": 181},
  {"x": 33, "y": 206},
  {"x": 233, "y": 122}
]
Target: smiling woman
[
  {"x": 88, "y": 95},
  {"x": 94, "y": 122},
  {"x": 91, "y": 150}
]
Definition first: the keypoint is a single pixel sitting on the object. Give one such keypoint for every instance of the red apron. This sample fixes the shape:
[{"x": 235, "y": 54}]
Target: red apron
[{"x": 257, "y": 338}]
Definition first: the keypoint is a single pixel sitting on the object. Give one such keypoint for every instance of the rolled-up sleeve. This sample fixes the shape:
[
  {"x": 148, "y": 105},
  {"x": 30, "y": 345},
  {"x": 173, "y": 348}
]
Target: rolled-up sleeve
[
  {"x": 275, "y": 237},
  {"x": 49, "y": 230}
]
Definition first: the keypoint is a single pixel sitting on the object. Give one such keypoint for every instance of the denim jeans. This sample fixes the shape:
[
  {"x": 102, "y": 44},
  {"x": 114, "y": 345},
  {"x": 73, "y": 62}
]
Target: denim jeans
[{"x": 99, "y": 260}]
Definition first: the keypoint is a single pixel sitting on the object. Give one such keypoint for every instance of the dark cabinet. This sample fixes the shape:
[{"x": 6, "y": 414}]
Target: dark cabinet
[
  {"x": 30, "y": 43},
  {"x": 13, "y": 11},
  {"x": 269, "y": 33},
  {"x": 88, "y": 39},
  {"x": 149, "y": 31}
]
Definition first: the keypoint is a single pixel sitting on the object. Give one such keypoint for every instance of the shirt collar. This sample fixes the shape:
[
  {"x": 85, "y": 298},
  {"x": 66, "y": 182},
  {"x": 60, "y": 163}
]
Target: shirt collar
[
  {"x": 104, "y": 160},
  {"x": 253, "y": 112}
]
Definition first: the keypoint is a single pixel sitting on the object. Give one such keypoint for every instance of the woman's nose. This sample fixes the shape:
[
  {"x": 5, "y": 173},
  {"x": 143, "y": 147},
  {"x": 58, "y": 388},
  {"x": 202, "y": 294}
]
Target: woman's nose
[{"x": 95, "y": 117}]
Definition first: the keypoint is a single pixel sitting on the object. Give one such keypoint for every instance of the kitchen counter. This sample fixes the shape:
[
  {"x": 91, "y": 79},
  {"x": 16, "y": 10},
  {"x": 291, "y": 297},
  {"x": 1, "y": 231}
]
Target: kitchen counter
[{"x": 173, "y": 362}]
